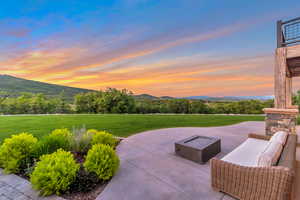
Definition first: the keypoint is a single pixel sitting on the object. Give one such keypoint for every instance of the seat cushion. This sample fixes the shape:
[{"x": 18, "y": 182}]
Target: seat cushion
[
  {"x": 279, "y": 136},
  {"x": 247, "y": 153},
  {"x": 270, "y": 155}
]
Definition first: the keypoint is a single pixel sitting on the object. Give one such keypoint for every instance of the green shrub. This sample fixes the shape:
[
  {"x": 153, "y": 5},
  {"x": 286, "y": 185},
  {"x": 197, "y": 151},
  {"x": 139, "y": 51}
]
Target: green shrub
[
  {"x": 51, "y": 143},
  {"x": 15, "y": 152},
  {"x": 103, "y": 137},
  {"x": 102, "y": 160},
  {"x": 61, "y": 132},
  {"x": 54, "y": 173},
  {"x": 91, "y": 131}
]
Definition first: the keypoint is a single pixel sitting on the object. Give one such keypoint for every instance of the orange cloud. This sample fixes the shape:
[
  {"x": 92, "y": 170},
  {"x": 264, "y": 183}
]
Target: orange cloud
[
  {"x": 184, "y": 78},
  {"x": 120, "y": 67},
  {"x": 29, "y": 64},
  {"x": 64, "y": 61},
  {"x": 188, "y": 75}
]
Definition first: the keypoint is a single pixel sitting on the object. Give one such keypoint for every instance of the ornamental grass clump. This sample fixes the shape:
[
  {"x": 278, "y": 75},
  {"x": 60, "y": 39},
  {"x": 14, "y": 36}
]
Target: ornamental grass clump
[
  {"x": 102, "y": 160},
  {"x": 81, "y": 142},
  {"x": 54, "y": 173},
  {"x": 103, "y": 137},
  {"x": 58, "y": 139},
  {"x": 15, "y": 152}
]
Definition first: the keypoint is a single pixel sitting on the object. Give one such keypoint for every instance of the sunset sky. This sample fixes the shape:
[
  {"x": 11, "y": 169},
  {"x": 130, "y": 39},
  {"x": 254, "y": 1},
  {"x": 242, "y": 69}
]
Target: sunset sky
[{"x": 167, "y": 47}]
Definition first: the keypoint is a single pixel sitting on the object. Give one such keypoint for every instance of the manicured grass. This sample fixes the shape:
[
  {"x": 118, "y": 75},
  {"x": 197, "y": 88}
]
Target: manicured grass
[{"x": 120, "y": 125}]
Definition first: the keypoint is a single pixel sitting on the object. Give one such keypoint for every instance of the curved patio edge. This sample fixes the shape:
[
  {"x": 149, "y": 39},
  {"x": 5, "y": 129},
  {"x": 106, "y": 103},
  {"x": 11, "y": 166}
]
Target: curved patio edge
[{"x": 150, "y": 170}]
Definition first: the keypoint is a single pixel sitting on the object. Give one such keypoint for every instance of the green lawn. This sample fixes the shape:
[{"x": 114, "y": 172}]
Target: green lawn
[{"x": 120, "y": 125}]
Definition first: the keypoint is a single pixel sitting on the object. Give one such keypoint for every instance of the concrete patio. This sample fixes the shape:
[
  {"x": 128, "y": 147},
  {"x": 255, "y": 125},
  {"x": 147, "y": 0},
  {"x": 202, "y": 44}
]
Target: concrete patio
[{"x": 151, "y": 171}]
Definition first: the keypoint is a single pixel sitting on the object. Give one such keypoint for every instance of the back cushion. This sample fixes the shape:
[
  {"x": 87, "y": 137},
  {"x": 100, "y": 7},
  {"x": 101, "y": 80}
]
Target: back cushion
[
  {"x": 270, "y": 155},
  {"x": 279, "y": 136}
]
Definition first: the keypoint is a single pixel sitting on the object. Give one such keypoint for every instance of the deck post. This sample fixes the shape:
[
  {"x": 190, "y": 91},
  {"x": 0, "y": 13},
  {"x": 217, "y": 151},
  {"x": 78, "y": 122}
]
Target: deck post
[
  {"x": 279, "y": 34},
  {"x": 289, "y": 92},
  {"x": 280, "y": 78}
]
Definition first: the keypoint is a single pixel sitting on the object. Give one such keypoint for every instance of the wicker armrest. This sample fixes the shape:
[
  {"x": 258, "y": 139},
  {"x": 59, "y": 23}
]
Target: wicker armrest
[
  {"x": 288, "y": 155},
  {"x": 258, "y": 136},
  {"x": 247, "y": 183}
]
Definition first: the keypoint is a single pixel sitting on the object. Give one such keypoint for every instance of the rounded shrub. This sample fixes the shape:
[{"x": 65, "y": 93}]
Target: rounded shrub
[
  {"x": 102, "y": 160},
  {"x": 91, "y": 131},
  {"x": 51, "y": 143},
  {"x": 103, "y": 137},
  {"x": 54, "y": 173},
  {"x": 15, "y": 152},
  {"x": 64, "y": 132}
]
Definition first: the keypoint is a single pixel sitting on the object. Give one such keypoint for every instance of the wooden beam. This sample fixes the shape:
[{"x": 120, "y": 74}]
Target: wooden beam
[
  {"x": 279, "y": 34},
  {"x": 294, "y": 62},
  {"x": 289, "y": 72},
  {"x": 280, "y": 78},
  {"x": 293, "y": 51},
  {"x": 289, "y": 91},
  {"x": 296, "y": 74}
]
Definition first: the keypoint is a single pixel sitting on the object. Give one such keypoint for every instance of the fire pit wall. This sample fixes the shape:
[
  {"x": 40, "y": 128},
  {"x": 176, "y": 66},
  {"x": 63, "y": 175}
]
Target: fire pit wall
[{"x": 280, "y": 120}]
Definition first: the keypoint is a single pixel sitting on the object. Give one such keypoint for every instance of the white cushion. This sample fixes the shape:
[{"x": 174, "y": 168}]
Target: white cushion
[
  {"x": 247, "y": 153},
  {"x": 270, "y": 155},
  {"x": 279, "y": 136}
]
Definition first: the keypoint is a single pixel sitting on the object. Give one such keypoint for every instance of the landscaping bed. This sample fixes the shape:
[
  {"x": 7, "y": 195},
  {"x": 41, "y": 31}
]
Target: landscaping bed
[{"x": 74, "y": 165}]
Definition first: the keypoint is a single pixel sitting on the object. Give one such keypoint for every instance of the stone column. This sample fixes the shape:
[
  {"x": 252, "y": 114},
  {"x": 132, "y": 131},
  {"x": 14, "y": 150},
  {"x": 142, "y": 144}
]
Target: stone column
[{"x": 280, "y": 120}]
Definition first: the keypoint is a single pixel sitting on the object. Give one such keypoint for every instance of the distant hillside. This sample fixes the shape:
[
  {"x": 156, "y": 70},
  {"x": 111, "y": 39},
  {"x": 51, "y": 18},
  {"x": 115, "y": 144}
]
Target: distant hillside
[
  {"x": 206, "y": 98},
  {"x": 148, "y": 96},
  {"x": 166, "y": 97},
  {"x": 230, "y": 98},
  {"x": 145, "y": 96},
  {"x": 14, "y": 86}
]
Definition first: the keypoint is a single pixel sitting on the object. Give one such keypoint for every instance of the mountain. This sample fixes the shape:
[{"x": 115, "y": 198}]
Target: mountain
[
  {"x": 206, "y": 98},
  {"x": 230, "y": 98},
  {"x": 151, "y": 97},
  {"x": 263, "y": 98},
  {"x": 145, "y": 96},
  {"x": 166, "y": 97},
  {"x": 14, "y": 86}
]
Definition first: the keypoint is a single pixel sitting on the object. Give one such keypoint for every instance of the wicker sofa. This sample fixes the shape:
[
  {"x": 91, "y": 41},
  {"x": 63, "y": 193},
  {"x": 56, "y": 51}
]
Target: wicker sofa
[{"x": 246, "y": 181}]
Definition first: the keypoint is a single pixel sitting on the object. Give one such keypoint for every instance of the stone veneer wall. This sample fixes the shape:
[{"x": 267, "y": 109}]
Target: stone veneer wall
[{"x": 280, "y": 120}]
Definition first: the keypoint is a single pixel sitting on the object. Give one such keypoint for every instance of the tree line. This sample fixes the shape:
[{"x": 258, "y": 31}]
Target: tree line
[
  {"x": 28, "y": 103},
  {"x": 200, "y": 107},
  {"x": 122, "y": 101}
]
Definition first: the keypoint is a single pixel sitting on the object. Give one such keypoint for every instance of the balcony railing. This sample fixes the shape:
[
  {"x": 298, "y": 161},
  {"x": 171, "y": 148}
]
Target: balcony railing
[{"x": 288, "y": 32}]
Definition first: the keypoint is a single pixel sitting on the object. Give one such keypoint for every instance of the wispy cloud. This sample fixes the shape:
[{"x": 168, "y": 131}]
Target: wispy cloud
[
  {"x": 127, "y": 57},
  {"x": 56, "y": 61},
  {"x": 187, "y": 76}
]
